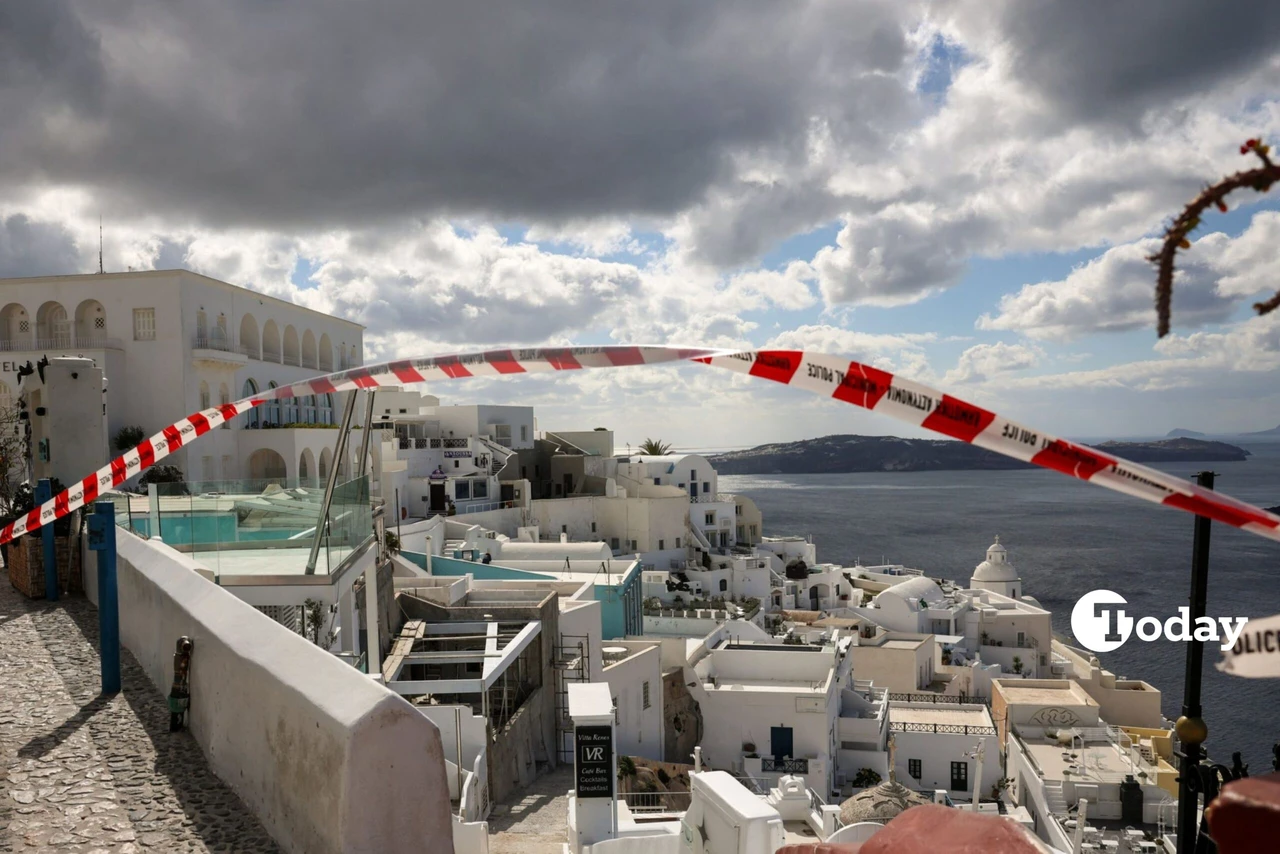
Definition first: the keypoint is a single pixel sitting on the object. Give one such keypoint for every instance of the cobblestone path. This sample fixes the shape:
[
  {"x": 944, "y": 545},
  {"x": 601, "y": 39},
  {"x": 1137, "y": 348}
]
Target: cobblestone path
[
  {"x": 533, "y": 820},
  {"x": 85, "y": 773}
]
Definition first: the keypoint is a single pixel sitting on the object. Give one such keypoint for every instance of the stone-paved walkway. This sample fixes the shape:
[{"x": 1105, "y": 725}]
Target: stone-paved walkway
[
  {"x": 85, "y": 773},
  {"x": 533, "y": 820}
]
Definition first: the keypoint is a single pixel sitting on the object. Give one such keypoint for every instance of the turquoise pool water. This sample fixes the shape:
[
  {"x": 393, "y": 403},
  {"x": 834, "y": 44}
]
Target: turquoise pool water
[{"x": 206, "y": 528}]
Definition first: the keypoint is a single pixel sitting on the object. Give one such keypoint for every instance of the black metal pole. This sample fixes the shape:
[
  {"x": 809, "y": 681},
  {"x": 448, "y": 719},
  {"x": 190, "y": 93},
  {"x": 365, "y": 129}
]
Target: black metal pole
[{"x": 1191, "y": 727}]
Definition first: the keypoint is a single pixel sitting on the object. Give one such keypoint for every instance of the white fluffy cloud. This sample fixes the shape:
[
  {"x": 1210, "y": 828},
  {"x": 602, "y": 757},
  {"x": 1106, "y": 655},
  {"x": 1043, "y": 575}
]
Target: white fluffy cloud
[
  {"x": 1115, "y": 291},
  {"x": 985, "y": 361}
]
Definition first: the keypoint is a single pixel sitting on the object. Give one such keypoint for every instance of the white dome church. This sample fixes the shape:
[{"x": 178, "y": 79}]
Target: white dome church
[{"x": 996, "y": 573}]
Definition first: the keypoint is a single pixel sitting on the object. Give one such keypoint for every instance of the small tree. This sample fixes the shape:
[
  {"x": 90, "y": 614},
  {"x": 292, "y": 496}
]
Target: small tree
[
  {"x": 626, "y": 767},
  {"x": 866, "y": 778},
  {"x": 164, "y": 474},
  {"x": 654, "y": 448},
  {"x": 391, "y": 541},
  {"x": 13, "y": 456},
  {"x": 314, "y": 615},
  {"x": 1017, "y": 664},
  {"x": 128, "y": 438}
]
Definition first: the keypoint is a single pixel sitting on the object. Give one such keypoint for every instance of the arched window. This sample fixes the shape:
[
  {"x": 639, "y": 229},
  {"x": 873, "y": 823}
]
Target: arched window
[
  {"x": 204, "y": 395},
  {"x": 270, "y": 342},
  {"x": 308, "y": 349},
  {"x": 309, "y": 407},
  {"x": 304, "y": 470},
  {"x": 326, "y": 352},
  {"x": 6, "y": 397},
  {"x": 272, "y": 407},
  {"x": 15, "y": 327},
  {"x": 326, "y": 408},
  {"x": 52, "y": 327},
  {"x": 250, "y": 344},
  {"x": 291, "y": 351},
  {"x": 252, "y": 418},
  {"x": 91, "y": 323},
  {"x": 326, "y": 458}
]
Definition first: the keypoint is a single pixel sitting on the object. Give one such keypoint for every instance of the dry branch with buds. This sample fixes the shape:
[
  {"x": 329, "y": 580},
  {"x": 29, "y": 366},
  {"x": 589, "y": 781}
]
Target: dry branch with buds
[{"x": 1175, "y": 237}]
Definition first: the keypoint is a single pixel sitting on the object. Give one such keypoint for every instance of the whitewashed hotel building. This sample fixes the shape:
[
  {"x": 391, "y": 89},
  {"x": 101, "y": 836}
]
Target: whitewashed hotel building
[{"x": 173, "y": 342}]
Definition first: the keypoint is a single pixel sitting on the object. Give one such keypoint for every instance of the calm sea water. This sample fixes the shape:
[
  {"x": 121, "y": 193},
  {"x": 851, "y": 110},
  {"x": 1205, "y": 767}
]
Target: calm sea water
[{"x": 1066, "y": 537}]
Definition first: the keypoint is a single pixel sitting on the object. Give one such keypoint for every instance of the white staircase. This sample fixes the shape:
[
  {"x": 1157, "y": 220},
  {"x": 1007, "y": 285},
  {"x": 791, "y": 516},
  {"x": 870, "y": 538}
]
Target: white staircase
[{"x": 1053, "y": 797}]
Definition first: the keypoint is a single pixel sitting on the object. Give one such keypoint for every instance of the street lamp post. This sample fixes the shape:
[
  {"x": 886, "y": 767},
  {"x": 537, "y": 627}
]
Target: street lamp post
[{"x": 1191, "y": 727}]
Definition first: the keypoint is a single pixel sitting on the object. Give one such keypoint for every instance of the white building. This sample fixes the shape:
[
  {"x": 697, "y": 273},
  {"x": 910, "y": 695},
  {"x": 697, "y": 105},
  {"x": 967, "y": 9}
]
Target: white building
[
  {"x": 712, "y": 517},
  {"x": 771, "y": 709},
  {"x": 937, "y": 747},
  {"x": 173, "y": 342},
  {"x": 996, "y": 573}
]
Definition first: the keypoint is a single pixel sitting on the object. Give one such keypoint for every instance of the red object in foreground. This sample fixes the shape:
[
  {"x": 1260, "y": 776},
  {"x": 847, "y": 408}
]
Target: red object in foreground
[
  {"x": 1245, "y": 818},
  {"x": 934, "y": 829}
]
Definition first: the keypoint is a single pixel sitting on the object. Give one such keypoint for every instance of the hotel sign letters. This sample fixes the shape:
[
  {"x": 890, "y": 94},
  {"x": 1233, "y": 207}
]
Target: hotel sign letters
[
  {"x": 452, "y": 454},
  {"x": 593, "y": 761}
]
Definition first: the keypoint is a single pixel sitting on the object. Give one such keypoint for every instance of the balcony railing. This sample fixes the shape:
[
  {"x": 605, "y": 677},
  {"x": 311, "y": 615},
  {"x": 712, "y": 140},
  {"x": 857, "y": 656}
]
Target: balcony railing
[
  {"x": 452, "y": 443},
  {"x": 651, "y": 802},
  {"x": 60, "y": 342},
  {"x": 770, "y": 765},
  {"x": 941, "y": 729},
  {"x": 222, "y": 344},
  {"x": 928, "y": 697}
]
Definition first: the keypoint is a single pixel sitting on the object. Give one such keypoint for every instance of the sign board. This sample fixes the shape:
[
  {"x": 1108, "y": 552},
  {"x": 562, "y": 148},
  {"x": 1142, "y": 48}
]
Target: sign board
[
  {"x": 452, "y": 454},
  {"x": 593, "y": 761},
  {"x": 97, "y": 532}
]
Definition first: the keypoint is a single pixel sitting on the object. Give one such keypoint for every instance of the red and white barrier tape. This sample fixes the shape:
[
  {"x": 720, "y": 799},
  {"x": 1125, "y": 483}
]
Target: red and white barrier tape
[{"x": 819, "y": 373}]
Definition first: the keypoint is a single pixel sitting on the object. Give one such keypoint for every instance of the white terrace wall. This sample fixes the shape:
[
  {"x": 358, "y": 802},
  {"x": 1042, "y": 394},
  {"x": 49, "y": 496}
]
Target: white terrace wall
[{"x": 327, "y": 759}]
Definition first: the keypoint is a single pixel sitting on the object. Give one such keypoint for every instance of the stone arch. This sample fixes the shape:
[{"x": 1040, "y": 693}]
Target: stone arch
[
  {"x": 250, "y": 343},
  {"x": 306, "y": 467},
  {"x": 15, "y": 327},
  {"x": 91, "y": 321},
  {"x": 326, "y": 460},
  {"x": 326, "y": 352},
  {"x": 267, "y": 464},
  {"x": 270, "y": 342},
  {"x": 204, "y": 395},
  {"x": 53, "y": 328},
  {"x": 309, "y": 349},
  {"x": 292, "y": 352}
]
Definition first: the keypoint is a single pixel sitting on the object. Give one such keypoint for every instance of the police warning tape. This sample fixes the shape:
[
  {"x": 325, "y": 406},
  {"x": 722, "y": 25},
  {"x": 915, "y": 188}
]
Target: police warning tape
[
  {"x": 1256, "y": 653},
  {"x": 829, "y": 376}
]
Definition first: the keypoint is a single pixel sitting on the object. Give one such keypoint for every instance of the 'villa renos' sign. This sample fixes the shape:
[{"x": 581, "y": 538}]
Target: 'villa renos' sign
[{"x": 593, "y": 761}]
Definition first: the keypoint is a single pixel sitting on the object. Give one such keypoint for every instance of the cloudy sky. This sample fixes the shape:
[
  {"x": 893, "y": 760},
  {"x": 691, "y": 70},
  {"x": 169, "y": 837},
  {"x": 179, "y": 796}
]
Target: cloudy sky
[{"x": 962, "y": 192}]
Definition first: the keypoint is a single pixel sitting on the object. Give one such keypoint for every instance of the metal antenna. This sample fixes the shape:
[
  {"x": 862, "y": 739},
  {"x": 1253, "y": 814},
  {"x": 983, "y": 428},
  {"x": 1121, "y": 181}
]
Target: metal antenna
[{"x": 100, "y": 270}]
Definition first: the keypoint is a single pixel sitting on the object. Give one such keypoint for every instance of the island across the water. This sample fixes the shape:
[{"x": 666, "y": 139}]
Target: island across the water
[{"x": 847, "y": 453}]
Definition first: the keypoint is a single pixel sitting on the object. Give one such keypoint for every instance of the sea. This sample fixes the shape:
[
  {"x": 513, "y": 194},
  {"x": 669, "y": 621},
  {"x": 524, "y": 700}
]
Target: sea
[{"x": 1066, "y": 537}]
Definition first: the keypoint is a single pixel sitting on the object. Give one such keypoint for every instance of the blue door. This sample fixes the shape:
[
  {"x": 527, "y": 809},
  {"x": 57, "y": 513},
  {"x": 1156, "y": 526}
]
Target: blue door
[{"x": 780, "y": 741}]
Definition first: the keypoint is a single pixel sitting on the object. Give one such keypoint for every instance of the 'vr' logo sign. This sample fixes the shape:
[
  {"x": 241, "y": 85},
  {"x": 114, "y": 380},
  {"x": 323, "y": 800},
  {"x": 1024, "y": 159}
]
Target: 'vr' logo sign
[
  {"x": 593, "y": 754},
  {"x": 1101, "y": 624}
]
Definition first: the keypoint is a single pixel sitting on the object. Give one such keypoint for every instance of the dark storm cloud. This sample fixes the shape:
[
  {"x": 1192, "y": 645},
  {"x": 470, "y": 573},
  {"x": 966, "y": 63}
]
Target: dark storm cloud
[
  {"x": 325, "y": 111},
  {"x": 1101, "y": 59},
  {"x": 30, "y": 248}
]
